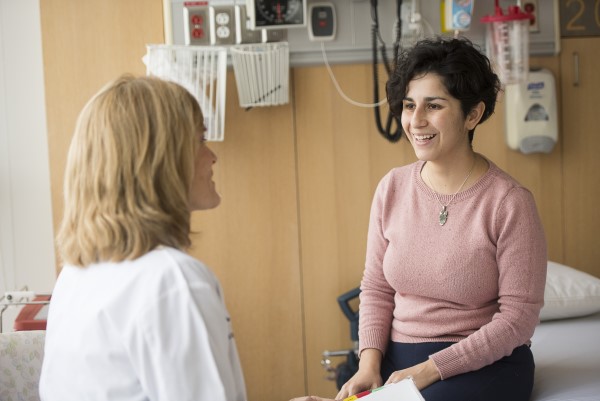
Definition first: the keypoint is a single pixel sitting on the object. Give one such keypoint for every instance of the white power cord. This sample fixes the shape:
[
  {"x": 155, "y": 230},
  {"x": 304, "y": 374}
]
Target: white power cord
[
  {"x": 4, "y": 279},
  {"x": 339, "y": 89}
]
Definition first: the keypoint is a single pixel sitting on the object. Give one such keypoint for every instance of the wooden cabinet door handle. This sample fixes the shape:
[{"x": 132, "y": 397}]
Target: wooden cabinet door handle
[{"x": 575, "y": 69}]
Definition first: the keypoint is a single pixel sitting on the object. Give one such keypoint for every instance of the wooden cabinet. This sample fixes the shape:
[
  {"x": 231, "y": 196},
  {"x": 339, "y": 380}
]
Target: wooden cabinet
[{"x": 580, "y": 62}]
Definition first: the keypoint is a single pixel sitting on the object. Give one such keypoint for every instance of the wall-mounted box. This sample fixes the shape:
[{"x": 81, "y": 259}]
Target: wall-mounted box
[{"x": 352, "y": 43}]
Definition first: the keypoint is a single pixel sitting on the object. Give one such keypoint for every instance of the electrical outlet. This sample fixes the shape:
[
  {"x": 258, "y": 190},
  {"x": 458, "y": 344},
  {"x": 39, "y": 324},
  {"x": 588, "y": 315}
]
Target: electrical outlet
[
  {"x": 196, "y": 25},
  {"x": 222, "y": 27},
  {"x": 531, "y": 7},
  {"x": 243, "y": 33}
]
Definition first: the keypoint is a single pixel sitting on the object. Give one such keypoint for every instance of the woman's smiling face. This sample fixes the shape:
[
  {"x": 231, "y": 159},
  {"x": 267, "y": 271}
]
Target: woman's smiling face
[{"x": 433, "y": 120}]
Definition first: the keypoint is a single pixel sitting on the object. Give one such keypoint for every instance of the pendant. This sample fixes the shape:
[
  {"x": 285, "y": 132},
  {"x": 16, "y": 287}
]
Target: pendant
[{"x": 443, "y": 216}]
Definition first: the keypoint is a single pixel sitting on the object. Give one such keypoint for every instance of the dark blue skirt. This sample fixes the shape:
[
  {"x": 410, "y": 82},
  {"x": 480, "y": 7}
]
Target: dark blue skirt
[{"x": 508, "y": 379}]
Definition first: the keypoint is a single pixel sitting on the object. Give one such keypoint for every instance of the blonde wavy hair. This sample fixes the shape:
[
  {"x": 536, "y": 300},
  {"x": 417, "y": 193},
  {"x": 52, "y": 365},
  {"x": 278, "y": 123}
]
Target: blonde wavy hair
[{"x": 128, "y": 172}]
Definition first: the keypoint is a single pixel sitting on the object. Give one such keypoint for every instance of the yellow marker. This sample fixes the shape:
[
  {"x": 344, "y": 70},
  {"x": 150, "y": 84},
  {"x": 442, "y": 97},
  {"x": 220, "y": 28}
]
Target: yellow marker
[{"x": 351, "y": 398}]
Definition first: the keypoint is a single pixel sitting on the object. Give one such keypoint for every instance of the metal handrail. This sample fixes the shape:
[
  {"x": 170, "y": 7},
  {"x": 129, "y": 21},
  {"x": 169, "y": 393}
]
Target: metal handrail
[{"x": 9, "y": 297}]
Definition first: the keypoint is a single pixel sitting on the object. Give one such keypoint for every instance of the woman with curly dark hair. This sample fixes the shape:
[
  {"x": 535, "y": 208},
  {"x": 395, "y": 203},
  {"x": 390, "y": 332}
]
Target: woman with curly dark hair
[{"x": 456, "y": 254}]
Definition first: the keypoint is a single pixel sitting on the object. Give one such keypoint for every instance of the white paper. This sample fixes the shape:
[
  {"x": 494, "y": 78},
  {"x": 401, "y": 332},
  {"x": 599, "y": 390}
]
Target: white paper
[{"x": 404, "y": 390}]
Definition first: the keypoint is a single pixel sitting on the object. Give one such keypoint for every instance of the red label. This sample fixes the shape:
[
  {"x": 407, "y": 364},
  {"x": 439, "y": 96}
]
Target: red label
[{"x": 195, "y": 3}]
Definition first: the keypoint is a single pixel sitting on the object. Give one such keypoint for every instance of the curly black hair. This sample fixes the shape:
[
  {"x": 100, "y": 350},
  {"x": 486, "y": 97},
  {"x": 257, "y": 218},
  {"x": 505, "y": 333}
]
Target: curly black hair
[{"x": 465, "y": 72}]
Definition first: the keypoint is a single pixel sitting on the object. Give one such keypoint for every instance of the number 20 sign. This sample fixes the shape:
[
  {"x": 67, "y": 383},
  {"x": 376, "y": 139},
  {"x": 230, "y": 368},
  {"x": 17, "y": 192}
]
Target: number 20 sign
[{"x": 579, "y": 18}]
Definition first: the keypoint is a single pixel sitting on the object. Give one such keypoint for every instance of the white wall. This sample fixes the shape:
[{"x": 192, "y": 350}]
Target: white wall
[{"x": 26, "y": 236}]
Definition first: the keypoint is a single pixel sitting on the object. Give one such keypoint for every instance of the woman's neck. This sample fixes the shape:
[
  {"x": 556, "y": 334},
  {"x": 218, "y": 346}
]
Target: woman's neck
[{"x": 455, "y": 176}]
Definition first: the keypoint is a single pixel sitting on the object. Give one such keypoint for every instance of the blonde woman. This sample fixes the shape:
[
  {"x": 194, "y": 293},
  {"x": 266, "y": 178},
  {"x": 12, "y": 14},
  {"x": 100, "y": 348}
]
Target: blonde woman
[{"x": 133, "y": 316}]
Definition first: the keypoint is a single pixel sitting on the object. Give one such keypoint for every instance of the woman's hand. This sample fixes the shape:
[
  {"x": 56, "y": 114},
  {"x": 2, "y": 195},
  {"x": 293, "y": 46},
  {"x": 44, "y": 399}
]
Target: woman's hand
[
  {"x": 423, "y": 374},
  {"x": 361, "y": 381},
  {"x": 368, "y": 376}
]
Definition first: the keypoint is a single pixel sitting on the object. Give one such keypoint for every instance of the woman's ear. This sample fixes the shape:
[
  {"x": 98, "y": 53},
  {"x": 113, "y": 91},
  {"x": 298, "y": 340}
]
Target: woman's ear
[{"x": 474, "y": 116}]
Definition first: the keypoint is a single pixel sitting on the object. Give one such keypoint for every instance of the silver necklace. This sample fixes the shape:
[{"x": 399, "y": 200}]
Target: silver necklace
[{"x": 444, "y": 211}]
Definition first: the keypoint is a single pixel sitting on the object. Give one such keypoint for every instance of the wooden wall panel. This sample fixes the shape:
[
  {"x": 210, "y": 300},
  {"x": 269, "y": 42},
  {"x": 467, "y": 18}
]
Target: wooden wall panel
[
  {"x": 251, "y": 242},
  {"x": 86, "y": 44},
  {"x": 323, "y": 175},
  {"x": 581, "y": 145}
]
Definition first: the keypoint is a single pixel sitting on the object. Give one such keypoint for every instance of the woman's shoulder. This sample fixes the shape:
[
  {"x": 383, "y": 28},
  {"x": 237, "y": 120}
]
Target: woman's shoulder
[
  {"x": 163, "y": 267},
  {"x": 405, "y": 173},
  {"x": 176, "y": 255},
  {"x": 407, "y": 169},
  {"x": 503, "y": 180},
  {"x": 504, "y": 189},
  {"x": 177, "y": 262}
]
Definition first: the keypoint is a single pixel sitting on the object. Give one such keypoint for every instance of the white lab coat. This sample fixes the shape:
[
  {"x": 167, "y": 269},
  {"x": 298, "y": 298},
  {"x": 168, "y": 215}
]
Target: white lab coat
[{"x": 154, "y": 328}]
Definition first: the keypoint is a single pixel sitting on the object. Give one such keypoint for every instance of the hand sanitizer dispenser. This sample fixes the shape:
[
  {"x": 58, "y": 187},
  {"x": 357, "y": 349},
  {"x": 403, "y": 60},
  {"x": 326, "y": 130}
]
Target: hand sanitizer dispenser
[{"x": 531, "y": 113}]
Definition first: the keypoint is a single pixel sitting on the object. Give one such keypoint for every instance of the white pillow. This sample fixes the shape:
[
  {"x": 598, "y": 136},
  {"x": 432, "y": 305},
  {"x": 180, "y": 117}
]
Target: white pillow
[{"x": 569, "y": 293}]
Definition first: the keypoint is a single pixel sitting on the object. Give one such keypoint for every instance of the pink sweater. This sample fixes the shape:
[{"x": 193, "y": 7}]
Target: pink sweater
[{"x": 477, "y": 281}]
